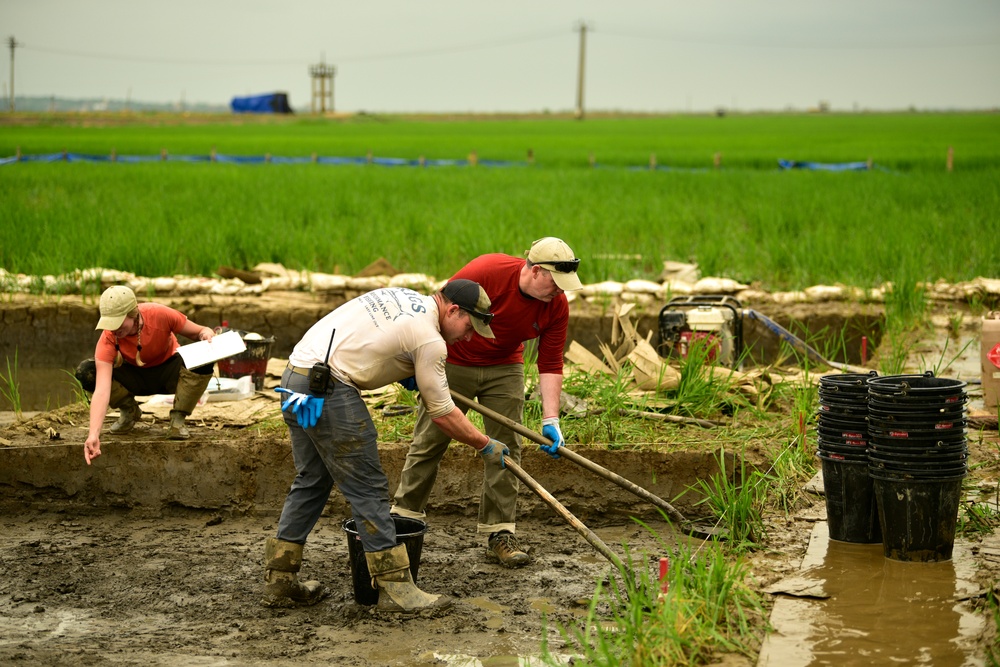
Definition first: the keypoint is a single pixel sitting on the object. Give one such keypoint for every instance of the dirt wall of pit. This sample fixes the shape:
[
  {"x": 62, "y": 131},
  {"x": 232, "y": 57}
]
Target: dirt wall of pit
[
  {"x": 253, "y": 475},
  {"x": 47, "y": 332}
]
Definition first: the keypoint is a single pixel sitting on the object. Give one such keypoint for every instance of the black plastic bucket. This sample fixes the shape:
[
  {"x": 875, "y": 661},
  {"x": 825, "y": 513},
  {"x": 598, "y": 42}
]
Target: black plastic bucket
[
  {"x": 849, "y": 382},
  {"x": 851, "y": 452},
  {"x": 918, "y": 517},
  {"x": 851, "y": 509},
  {"x": 909, "y": 451},
  {"x": 408, "y": 531},
  {"x": 840, "y": 447},
  {"x": 836, "y": 411},
  {"x": 849, "y": 422},
  {"x": 923, "y": 387},
  {"x": 859, "y": 434},
  {"x": 920, "y": 413},
  {"x": 919, "y": 470}
]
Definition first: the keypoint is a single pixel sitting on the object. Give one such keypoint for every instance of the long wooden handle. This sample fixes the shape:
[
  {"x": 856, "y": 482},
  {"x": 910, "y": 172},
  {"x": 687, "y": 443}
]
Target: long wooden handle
[
  {"x": 572, "y": 456},
  {"x": 561, "y": 510}
]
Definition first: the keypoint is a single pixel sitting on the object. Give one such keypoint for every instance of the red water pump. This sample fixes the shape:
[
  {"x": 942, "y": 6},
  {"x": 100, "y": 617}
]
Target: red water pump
[{"x": 715, "y": 321}]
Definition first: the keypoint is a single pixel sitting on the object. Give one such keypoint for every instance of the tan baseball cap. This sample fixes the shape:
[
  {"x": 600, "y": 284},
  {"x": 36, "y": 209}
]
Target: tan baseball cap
[
  {"x": 116, "y": 303},
  {"x": 471, "y": 297},
  {"x": 554, "y": 255}
]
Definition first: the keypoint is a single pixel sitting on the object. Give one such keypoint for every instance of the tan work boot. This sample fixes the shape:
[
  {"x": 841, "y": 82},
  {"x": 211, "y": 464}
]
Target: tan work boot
[
  {"x": 504, "y": 547},
  {"x": 190, "y": 387},
  {"x": 128, "y": 410},
  {"x": 282, "y": 588},
  {"x": 390, "y": 570}
]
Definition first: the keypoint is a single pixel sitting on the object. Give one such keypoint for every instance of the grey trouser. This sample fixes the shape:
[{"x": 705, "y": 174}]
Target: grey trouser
[
  {"x": 500, "y": 388},
  {"x": 340, "y": 449}
]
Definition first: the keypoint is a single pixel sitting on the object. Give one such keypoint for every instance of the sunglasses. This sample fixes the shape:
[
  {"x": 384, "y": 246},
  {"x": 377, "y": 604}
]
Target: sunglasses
[
  {"x": 566, "y": 266},
  {"x": 485, "y": 317}
]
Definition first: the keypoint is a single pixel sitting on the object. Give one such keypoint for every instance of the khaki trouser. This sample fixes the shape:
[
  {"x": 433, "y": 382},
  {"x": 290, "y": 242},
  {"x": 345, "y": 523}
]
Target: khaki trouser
[{"x": 500, "y": 388}]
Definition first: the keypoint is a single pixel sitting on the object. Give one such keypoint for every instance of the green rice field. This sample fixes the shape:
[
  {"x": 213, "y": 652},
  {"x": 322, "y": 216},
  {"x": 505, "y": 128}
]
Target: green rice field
[{"x": 906, "y": 219}]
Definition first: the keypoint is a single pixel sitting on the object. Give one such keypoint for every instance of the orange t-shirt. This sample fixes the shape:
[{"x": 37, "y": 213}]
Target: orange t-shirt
[{"x": 159, "y": 323}]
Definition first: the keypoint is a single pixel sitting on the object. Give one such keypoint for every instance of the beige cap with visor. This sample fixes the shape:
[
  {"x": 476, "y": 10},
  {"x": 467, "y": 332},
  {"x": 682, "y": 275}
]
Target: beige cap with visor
[
  {"x": 116, "y": 303},
  {"x": 554, "y": 255}
]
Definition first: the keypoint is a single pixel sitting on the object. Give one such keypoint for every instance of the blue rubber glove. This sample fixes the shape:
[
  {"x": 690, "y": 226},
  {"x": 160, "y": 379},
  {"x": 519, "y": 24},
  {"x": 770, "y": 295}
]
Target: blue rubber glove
[
  {"x": 409, "y": 383},
  {"x": 313, "y": 408},
  {"x": 550, "y": 429},
  {"x": 305, "y": 407},
  {"x": 494, "y": 451}
]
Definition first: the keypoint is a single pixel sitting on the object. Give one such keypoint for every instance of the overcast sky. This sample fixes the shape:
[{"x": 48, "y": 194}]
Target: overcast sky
[{"x": 514, "y": 55}]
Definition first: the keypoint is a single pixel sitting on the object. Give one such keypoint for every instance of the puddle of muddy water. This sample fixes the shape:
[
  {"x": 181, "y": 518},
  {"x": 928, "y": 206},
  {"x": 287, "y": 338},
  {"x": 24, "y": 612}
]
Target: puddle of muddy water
[
  {"x": 41, "y": 388},
  {"x": 879, "y": 611}
]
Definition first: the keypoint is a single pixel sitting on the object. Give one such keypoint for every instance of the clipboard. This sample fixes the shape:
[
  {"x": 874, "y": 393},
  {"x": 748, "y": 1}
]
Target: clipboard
[{"x": 206, "y": 352}]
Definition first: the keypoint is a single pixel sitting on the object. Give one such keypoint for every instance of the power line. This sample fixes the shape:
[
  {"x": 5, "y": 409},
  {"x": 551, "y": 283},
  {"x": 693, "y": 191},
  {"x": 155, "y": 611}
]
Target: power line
[
  {"x": 414, "y": 53},
  {"x": 814, "y": 45}
]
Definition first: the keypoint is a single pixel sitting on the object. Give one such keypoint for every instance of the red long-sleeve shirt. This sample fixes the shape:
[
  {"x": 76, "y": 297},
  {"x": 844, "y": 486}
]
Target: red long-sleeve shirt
[{"x": 517, "y": 318}]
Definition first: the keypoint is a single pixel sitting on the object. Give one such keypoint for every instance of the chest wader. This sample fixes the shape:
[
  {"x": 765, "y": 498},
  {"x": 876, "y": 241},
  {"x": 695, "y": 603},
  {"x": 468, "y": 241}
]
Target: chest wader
[
  {"x": 390, "y": 570},
  {"x": 190, "y": 387}
]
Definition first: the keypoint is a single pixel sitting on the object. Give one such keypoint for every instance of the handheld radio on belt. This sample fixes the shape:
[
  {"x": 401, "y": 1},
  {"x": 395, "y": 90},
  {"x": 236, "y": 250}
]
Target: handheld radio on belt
[{"x": 319, "y": 374}]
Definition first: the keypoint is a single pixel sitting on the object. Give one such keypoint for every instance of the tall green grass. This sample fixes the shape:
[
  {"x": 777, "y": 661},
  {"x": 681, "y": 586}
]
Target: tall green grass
[
  {"x": 708, "y": 609},
  {"x": 747, "y": 221},
  {"x": 780, "y": 230},
  {"x": 896, "y": 141},
  {"x": 10, "y": 388}
]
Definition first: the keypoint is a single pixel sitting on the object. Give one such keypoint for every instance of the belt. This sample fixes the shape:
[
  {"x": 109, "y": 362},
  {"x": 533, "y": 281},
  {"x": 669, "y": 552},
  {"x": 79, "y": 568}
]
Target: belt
[{"x": 298, "y": 369}]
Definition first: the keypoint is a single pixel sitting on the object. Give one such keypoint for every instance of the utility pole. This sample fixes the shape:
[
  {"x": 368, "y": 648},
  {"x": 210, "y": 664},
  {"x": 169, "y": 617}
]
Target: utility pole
[
  {"x": 582, "y": 27},
  {"x": 13, "y": 45}
]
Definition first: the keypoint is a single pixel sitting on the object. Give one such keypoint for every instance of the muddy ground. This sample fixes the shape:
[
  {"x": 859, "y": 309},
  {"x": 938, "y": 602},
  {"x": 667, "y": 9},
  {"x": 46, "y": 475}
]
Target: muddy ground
[
  {"x": 154, "y": 555},
  {"x": 121, "y": 588},
  {"x": 169, "y": 587}
]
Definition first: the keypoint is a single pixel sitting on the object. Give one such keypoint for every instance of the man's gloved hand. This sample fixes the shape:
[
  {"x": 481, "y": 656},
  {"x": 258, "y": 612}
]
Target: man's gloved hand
[
  {"x": 550, "y": 429},
  {"x": 494, "y": 451},
  {"x": 410, "y": 383},
  {"x": 307, "y": 408}
]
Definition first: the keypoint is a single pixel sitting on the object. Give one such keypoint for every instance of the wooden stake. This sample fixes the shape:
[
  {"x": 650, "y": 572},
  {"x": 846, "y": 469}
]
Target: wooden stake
[{"x": 950, "y": 161}]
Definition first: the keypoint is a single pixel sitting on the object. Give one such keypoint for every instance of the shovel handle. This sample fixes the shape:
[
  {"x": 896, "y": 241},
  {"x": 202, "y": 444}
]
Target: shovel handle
[
  {"x": 561, "y": 510},
  {"x": 573, "y": 456}
]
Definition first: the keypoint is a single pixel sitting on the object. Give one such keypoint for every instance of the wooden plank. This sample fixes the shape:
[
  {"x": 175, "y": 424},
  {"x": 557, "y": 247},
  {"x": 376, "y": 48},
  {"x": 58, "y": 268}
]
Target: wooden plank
[{"x": 583, "y": 358}]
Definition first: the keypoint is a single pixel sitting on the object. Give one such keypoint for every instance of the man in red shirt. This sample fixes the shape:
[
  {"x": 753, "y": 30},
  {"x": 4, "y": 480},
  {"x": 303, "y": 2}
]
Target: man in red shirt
[{"x": 528, "y": 299}]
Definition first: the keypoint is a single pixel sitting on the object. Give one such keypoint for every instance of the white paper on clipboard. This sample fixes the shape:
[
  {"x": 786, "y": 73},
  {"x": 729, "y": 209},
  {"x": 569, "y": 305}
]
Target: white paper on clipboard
[{"x": 206, "y": 351}]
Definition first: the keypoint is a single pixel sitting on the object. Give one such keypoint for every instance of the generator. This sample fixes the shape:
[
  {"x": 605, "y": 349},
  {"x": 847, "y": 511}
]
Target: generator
[{"x": 714, "y": 320}]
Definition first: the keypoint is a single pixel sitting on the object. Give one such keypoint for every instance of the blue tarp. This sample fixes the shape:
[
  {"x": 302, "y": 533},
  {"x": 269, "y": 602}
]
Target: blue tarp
[
  {"x": 269, "y": 103},
  {"x": 385, "y": 161},
  {"x": 824, "y": 166}
]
